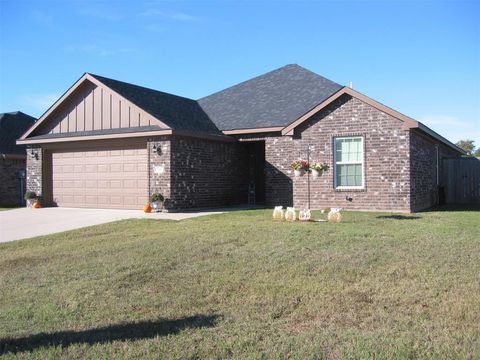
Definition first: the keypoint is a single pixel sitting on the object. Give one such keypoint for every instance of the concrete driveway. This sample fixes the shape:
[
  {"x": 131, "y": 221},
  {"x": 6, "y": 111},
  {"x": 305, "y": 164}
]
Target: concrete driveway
[{"x": 25, "y": 223}]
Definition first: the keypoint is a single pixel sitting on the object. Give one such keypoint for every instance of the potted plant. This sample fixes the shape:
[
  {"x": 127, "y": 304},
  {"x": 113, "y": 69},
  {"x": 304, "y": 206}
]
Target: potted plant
[
  {"x": 157, "y": 201},
  {"x": 300, "y": 167},
  {"x": 318, "y": 168},
  {"x": 30, "y": 197}
]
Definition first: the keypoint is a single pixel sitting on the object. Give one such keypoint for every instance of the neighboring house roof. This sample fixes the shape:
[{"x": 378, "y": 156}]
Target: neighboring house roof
[
  {"x": 12, "y": 126},
  {"x": 274, "y": 99},
  {"x": 178, "y": 113}
]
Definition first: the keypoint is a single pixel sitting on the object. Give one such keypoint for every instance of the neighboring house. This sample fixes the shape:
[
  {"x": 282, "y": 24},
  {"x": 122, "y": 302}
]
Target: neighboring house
[
  {"x": 109, "y": 144},
  {"x": 12, "y": 157}
]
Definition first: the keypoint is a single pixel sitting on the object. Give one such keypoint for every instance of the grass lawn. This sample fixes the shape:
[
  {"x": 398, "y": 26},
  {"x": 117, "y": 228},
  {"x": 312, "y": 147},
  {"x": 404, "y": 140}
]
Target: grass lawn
[{"x": 242, "y": 286}]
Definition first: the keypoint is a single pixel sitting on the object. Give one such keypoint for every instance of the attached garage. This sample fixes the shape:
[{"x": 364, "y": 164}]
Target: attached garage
[
  {"x": 100, "y": 178},
  {"x": 107, "y": 144}
]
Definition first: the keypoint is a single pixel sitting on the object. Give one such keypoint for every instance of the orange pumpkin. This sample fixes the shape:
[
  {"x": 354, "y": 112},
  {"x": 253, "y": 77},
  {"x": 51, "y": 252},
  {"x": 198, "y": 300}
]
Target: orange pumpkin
[
  {"x": 147, "y": 208},
  {"x": 36, "y": 205}
]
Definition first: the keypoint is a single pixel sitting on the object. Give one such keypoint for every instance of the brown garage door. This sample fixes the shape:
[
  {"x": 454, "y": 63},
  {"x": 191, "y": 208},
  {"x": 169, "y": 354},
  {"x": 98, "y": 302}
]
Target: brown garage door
[{"x": 114, "y": 178}]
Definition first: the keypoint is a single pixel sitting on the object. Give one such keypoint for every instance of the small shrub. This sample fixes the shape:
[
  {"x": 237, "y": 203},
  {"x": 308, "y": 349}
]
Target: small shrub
[
  {"x": 30, "y": 195},
  {"x": 156, "y": 197}
]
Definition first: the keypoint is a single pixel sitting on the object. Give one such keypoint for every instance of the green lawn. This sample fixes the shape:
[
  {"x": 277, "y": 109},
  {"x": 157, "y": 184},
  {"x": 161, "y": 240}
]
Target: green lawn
[{"x": 242, "y": 286}]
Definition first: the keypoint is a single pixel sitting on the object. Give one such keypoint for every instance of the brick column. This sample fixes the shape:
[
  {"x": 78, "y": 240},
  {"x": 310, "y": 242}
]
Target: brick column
[
  {"x": 159, "y": 155},
  {"x": 34, "y": 176}
]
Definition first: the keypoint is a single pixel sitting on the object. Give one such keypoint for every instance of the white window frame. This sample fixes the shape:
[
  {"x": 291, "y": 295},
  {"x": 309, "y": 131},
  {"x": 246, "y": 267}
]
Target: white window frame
[{"x": 348, "y": 162}]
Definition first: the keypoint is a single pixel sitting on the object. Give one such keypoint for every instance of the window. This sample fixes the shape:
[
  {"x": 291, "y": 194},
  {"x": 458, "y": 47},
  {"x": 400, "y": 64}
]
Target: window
[{"x": 349, "y": 162}]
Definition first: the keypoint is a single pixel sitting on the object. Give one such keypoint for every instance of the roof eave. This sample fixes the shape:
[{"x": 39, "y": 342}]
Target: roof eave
[
  {"x": 34, "y": 141},
  {"x": 253, "y": 130},
  {"x": 164, "y": 132},
  {"x": 440, "y": 138}
]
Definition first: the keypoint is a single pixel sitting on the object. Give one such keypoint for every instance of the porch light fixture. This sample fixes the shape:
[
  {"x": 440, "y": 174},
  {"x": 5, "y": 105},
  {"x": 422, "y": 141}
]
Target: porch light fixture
[
  {"x": 157, "y": 149},
  {"x": 34, "y": 154}
]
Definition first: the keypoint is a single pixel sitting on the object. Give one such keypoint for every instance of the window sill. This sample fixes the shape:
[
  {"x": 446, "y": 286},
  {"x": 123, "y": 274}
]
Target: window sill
[{"x": 350, "y": 189}]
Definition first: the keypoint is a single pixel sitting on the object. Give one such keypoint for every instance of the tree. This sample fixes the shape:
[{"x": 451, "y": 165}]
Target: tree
[
  {"x": 467, "y": 145},
  {"x": 477, "y": 152}
]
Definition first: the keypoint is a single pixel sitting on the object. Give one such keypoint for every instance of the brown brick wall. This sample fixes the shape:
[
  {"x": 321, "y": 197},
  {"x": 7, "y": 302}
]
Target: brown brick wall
[
  {"x": 423, "y": 163},
  {"x": 387, "y": 164},
  {"x": 11, "y": 189},
  {"x": 206, "y": 173}
]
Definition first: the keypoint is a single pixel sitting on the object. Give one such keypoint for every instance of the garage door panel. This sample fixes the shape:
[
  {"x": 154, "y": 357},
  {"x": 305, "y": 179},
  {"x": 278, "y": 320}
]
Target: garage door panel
[
  {"x": 130, "y": 167},
  {"x": 107, "y": 178},
  {"x": 141, "y": 167},
  {"x": 130, "y": 200},
  {"x": 116, "y": 167},
  {"x": 142, "y": 183},
  {"x": 103, "y": 168},
  {"x": 68, "y": 198},
  {"x": 116, "y": 200},
  {"x": 68, "y": 184},
  {"x": 79, "y": 199}
]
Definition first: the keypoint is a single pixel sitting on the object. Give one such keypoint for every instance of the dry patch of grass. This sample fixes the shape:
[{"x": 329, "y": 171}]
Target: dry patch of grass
[{"x": 241, "y": 286}]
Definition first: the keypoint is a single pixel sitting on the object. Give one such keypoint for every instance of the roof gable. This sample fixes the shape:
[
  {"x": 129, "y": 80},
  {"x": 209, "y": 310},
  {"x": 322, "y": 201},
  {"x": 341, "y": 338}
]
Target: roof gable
[
  {"x": 89, "y": 105},
  {"x": 274, "y": 99},
  {"x": 113, "y": 104},
  {"x": 176, "y": 112}
]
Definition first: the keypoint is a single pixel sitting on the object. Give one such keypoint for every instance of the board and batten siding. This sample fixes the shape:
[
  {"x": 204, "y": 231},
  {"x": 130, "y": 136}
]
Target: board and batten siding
[{"x": 93, "y": 107}]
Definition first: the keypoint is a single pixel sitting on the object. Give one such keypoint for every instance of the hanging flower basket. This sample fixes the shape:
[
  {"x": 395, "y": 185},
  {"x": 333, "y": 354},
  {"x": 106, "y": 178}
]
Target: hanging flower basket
[
  {"x": 299, "y": 172},
  {"x": 317, "y": 169},
  {"x": 300, "y": 167},
  {"x": 316, "y": 173}
]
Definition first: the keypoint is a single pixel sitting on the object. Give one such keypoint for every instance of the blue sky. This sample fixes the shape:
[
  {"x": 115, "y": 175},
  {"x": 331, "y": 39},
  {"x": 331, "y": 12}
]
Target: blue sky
[{"x": 421, "y": 58}]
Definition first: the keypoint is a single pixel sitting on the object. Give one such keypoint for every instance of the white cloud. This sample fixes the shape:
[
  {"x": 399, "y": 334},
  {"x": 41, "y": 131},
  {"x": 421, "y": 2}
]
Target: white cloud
[
  {"x": 103, "y": 15},
  {"x": 97, "y": 50},
  {"x": 183, "y": 17},
  {"x": 433, "y": 120},
  {"x": 172, "y": 15},
  {"x": 159, "y": 28},
  {"x": 40, "y": 102},
  {"x": 42, "y": 18},
  {"x": 453, "y": 128}
]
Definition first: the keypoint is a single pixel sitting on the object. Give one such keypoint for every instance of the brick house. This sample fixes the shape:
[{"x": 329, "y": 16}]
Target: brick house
[
  {"x": 109, "y": 144},
  {"x": 12, "y": 157}
]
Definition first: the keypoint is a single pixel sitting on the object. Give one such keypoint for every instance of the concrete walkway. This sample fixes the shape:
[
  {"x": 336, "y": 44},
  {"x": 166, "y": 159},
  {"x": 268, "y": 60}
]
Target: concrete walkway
[{"x": 25, "y": 223}]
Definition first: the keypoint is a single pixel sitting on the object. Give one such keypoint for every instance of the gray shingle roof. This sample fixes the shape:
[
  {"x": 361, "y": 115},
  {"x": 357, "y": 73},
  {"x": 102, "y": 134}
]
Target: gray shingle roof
[
  {"x": 12, "y": 126},
  {"x": 176, "y": 112},
  {"x": 274, "y": 99}
]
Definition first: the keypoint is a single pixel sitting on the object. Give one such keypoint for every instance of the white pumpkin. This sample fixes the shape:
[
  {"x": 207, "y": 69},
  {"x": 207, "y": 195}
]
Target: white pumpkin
[
  {"x": 278, "y": 213},
  {"x": 304, "y": 215},
  {"x": 290, "y": 214},
  {"x": 334, "y": 215}
]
